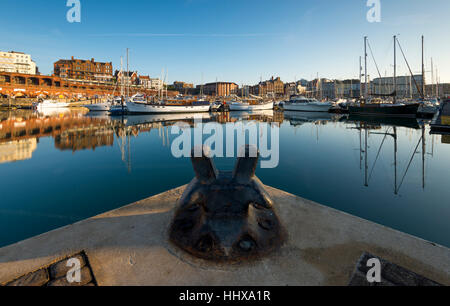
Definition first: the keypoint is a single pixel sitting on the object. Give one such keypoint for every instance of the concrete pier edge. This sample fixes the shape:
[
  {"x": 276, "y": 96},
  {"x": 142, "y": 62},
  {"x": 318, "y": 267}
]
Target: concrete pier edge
[{"x": 129, "y": 246}]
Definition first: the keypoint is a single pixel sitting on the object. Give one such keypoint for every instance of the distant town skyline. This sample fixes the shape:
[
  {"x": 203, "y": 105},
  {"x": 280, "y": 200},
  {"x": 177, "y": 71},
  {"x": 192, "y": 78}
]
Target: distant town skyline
[{"x": 200, "y": 41}]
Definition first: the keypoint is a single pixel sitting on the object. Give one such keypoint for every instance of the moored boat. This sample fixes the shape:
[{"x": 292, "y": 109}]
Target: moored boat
[
  {"x": 98, "y": 107},
  {"x": 49, "y": 104},
  {"x": 385, "y": 109},
  {"x": 377, "y": 107},
  {"x": 250, "y": 105},
  {"x": 303, "y": 104}
]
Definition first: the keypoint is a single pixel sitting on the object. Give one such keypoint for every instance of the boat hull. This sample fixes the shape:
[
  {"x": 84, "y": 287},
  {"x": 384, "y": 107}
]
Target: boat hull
[
  {"x": 141, "y": 108},
  {"x": 50, "y": 106},
  {"x": 100, "y": 107},
  {"x": 406, "y": 111},
  {"x": 307, "y": 107},
  {"x": 248, "y": 107}
]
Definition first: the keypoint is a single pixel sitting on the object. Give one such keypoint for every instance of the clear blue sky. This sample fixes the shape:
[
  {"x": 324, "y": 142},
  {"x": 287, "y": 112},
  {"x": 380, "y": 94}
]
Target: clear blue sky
[{"x": 232, "y": 40}]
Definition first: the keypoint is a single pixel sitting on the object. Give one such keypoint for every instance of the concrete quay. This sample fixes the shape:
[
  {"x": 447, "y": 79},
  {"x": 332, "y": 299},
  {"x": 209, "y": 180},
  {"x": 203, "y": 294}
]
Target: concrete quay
[{"x": 129, "y": 246}]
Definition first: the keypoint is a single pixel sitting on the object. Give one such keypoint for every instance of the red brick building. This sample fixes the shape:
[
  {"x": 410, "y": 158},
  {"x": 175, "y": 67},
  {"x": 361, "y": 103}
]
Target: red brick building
[
  {"x": 274, "y": 86},
  {"x": 221, "y": 89},
  {"x": 78, "y": 69}
]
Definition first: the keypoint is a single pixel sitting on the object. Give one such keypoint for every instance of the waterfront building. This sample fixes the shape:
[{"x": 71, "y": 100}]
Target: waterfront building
[
  {"x": 181, "y": 86},
  {"x": 221, "y": 89},
  {"x": 294, "y": 88},
  {"x": 127, "y": 78},
  {"x": 86, "y": 70},
  {"x": 17, "y": 62},
  {"x": 156, "y": 84},
  {"x": 144, "y": 81},
  {"x": 334, "y": 89},
  {"x": 147, "y": 82},
  {"x": 440, "y": 90},
  {"x": 406, "y": 87},
  {"x": 273, "y": 87},
  {"x": 15, "y": 84}
]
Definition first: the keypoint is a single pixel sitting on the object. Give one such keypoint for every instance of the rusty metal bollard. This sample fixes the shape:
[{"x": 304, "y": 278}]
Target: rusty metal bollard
[{"x": 226, "y": 216}]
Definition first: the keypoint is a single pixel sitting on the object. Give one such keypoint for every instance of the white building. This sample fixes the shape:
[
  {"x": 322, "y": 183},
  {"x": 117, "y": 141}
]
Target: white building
[
  {"x": 155, "y": 84},
  {"x": 406, "y": 87},
  {"x": 17, "y": 62}
]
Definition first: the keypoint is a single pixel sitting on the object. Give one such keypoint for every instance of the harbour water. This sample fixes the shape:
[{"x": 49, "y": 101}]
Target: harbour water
[{"x": 56, "y": 169}]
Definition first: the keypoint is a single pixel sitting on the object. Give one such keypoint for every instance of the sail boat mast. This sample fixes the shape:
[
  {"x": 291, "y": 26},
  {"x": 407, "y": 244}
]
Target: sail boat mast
[
  {"x": 128, "y": 77},
  {"x": 122, "y": 78},
  {"x": 432, "y": 79},
  {"x": 395, "y": 69},
  {"x": 423, "y": 68},
  {"x": 360, "y": 76},
  {"x": 366, "y": 89}
]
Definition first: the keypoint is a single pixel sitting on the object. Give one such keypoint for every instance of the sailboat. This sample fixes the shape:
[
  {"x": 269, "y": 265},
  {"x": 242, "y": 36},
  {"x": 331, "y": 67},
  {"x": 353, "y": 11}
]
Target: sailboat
[
  {"x": 250, "y": 104},
  {"x": 366, "y": 108},
  {"x": 166, "y": 105},
  {"x": 119, "y": 106}
]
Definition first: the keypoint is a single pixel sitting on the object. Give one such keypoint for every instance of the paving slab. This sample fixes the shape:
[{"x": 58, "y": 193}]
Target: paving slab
[{"x": 129, "y": 246}]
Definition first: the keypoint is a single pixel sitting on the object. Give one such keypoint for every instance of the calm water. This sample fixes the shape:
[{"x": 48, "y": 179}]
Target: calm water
[{"x": 61, "y": 168}]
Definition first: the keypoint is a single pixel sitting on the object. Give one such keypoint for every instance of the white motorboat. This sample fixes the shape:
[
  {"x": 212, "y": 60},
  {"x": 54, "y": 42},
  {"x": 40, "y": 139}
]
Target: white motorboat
[
  {"x": 249, "y": 106},
  {"x": 49, "y": 104},
  {"x": 168, "y": 107},
  {"x": 98, "y": 107},
  {"x": 303, "y": 104}
]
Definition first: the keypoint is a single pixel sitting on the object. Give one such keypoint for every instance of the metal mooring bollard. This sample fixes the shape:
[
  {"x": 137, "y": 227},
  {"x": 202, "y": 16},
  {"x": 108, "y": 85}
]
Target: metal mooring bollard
[{"x": 226, "y": 216}]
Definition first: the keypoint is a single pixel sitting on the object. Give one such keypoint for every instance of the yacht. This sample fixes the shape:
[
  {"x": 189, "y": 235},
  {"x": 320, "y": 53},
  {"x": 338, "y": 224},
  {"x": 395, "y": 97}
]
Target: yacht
[
  {"x": 303, "y": 104},
  {"x": 250, "y": 105},
  {"x": 377, "y": 107},
  {"x": 49, "y": 104},
  {"x": 98, "y": 107}
]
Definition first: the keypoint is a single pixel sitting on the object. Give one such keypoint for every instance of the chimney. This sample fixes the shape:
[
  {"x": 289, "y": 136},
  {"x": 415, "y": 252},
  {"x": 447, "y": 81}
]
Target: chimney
[{"x": 72, "y": 58}]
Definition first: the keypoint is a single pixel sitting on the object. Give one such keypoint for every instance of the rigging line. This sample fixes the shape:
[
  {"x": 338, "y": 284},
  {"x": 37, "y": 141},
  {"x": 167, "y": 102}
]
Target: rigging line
[
  {"x": 379, "y": 151},
  {"x": 373, "y": 57},
  {"x": 409, "y": 165},
  {"x": 410, "y": 71}
]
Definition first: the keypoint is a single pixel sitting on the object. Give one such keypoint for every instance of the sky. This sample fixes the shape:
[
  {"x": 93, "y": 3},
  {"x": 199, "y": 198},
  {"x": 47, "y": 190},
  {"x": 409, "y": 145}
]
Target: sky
[{"x": 242, "y": 41}]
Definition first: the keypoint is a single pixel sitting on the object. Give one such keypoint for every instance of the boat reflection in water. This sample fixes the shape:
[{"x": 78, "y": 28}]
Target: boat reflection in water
[
  {"x": 382, "y": 129},
  {"x": 411, "y": 123},
  {"x": 298, "y": 118}
]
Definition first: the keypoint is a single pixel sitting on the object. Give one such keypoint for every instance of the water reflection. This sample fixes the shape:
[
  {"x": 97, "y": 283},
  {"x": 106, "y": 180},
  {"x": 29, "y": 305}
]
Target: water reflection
[
  {"x": 71, "y": 130},
  {"x": 300, "y": 118},
  {"x": 378, "y": 169}
]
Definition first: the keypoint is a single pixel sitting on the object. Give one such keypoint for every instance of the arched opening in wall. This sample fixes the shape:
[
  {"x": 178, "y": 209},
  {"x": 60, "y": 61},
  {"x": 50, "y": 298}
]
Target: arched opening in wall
[
  {"x": 19, "y": 80},
  {"x": 5, "y": 79},
  {"x": 33, "y": 81},
  {"x": 47, "y": 82}
]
